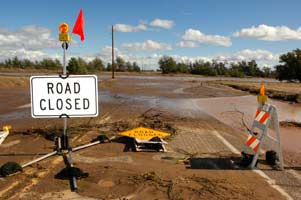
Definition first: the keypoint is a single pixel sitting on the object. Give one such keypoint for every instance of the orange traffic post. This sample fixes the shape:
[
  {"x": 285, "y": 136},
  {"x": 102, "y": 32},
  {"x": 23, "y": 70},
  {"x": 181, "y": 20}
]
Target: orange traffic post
[{"x": 262, "y": 98}]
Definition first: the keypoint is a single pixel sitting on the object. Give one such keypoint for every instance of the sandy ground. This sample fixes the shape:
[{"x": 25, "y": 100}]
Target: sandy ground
[
  {"x": 204, "y": 124},
  {"x": 276, "y": 90}
]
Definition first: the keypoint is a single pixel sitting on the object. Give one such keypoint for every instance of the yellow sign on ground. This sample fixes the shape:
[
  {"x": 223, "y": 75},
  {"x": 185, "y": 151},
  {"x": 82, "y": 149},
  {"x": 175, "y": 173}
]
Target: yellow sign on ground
[{"x": 144, "y": 133}]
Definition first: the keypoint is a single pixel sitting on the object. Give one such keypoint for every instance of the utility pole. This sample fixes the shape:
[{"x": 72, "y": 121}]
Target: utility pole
[{"x": 113, "y": 65}]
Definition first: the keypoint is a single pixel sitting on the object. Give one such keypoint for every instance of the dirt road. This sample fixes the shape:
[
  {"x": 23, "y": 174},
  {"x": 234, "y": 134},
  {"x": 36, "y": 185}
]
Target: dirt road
[{"x": 203, "y": 124}]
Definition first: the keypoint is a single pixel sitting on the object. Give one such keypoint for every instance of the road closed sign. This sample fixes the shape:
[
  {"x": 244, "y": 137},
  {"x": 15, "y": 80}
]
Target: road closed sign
[{"x": 54, "y": 96}]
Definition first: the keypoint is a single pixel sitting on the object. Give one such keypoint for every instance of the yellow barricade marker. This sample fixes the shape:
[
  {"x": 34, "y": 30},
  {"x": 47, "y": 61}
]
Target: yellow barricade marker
[{"x": 144, "y": 133}]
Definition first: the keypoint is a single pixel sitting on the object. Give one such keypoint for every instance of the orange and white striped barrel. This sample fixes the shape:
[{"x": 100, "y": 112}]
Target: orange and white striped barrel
[{"x": 253, "y": 142}]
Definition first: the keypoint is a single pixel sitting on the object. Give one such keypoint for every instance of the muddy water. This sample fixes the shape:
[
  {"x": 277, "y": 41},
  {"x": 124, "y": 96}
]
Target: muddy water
[
  {"x": 228, "y": 110},
  {"x": 176, "y": 78},
  {"x": 222, "y": 108}
]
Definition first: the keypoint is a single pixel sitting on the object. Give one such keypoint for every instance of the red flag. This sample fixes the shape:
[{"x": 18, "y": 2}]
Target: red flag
[{"x": 79, "y": 25}]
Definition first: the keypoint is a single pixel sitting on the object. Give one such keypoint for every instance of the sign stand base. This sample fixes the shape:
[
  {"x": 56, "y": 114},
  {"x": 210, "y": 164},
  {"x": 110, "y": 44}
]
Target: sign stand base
[
  {"x": 62, "y": 150},
  {"x": 156, "y": 144}
]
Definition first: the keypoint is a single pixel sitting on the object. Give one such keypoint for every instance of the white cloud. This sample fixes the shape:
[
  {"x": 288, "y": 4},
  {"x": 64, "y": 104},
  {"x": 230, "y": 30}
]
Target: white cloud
[
  {"x": 29, "y": 37},
  {"x": 269, "y": 33},
  {"x": 107, "y": 50},
  {"x": 262, "y": 57},
  {"x": 148, "y": 45},
  {"x": 198, "y": 36},
  {"x": 129, "y": 28},
  {"x": 22, "y": 53},
  {"x": 162, "y": 23},
  {"x": 106, "y": 54},
  {"x": 247, "y": 54},
  {"x": 187, "y": 59},
  {"x": 145, "y": 61},
  {"x": 189, "y": 44}
]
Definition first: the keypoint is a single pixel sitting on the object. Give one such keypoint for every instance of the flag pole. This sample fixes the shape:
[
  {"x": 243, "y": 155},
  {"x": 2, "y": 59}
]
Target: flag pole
[{"x": 113, "y": 64}]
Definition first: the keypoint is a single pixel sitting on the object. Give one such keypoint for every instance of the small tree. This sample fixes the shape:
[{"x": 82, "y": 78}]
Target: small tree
[
  {"x": 167, "y": 65},
  {"x": 77, "y": 66},
  {"x": 8, "y": 63},
  {"x": 129, "y": 66},
  {"x": 16, "y": 62},
  {"x": 95, "y": 65},
  {"x": 48, "y": 63},
  {"x": 109, "y": 67},
  {"x": 182, "y": 67},
  {"x": 120, "y": 64},
  {"x": 136, "y": 68},
  {"x": 26, "y": 63},
  {"x": 290, "y": 69}
]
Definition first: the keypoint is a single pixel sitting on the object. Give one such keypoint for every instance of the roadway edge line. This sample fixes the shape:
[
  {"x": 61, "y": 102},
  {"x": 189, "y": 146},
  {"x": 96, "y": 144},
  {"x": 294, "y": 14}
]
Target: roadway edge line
[{"x": 270, "y": 181}]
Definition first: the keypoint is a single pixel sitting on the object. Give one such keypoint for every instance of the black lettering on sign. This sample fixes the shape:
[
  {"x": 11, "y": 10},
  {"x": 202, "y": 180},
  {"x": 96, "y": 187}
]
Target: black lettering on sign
[
  {"x": 86, "y": 103},
  {"x": 49, "y": 105},
  {"x": 50, "y": 88},
  {"x": 76, "y": 100},
  {"x": 76, "y": 88},
  {"x": 59, "y": 88},
  {"x": 67, "y": 89},
  {"x": 59, "y": 104},
  {"x": 68, "y": 102},
  {"x": 42, "y": 107}
]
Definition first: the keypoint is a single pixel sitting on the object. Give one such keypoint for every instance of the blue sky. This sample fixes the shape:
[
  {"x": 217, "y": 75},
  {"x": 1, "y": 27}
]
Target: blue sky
[{"x": 229, "y": 30}]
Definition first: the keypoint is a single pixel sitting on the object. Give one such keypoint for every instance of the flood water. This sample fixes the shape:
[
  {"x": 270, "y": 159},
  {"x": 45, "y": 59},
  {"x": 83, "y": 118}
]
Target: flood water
[{"x": 217, "y": 107}]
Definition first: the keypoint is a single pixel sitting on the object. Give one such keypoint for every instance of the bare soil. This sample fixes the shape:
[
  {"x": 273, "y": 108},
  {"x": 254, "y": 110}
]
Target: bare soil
[
  {"x": 284, "y": 91},
  {"x": 114, "y": 172}
]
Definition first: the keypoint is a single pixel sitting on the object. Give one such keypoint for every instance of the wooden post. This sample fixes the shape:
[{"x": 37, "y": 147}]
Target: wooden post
[{"x": 113, "y": 65}]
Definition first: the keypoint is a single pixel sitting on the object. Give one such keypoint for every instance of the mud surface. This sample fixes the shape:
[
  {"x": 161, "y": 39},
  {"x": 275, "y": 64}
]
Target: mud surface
[
  {"x": 198, "y": 164},
  {"x": 284, "y": 91}
]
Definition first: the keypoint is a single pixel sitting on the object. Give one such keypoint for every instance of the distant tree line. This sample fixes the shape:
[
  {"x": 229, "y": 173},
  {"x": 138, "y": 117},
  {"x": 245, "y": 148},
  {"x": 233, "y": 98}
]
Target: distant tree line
[
  {"x": 75, "y": 65},
  {"x": 46, "y": 63},
  {"x": 80, "y": 66},
  {"x": 289, "y": 68},
  {"x": 167, "y": 65}
]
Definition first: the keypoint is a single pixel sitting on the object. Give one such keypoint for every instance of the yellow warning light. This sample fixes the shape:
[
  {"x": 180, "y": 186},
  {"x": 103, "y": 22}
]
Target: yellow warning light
[
  {"x": 64, "y": 28},
  {"x": 262, "y": 98},
  {"x": 64, "y": 35},
  {"x": 6, "y": 128}
]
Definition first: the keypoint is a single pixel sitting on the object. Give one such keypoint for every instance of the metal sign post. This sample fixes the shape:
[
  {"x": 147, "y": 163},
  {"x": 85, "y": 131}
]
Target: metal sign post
[
  {"x": 65, "y": 118},
  {"x": 63, "y": 96}
]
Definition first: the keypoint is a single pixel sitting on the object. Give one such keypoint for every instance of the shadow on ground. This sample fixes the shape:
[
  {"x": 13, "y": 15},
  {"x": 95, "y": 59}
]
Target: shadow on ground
[
  {"x": 224, "y": 163},
  {"x": 227, "y": 163}
]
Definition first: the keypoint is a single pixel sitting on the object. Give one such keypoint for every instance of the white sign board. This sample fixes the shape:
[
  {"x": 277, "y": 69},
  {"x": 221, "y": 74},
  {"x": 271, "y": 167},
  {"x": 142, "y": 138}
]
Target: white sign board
[{"x": 54, "y": 96}]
